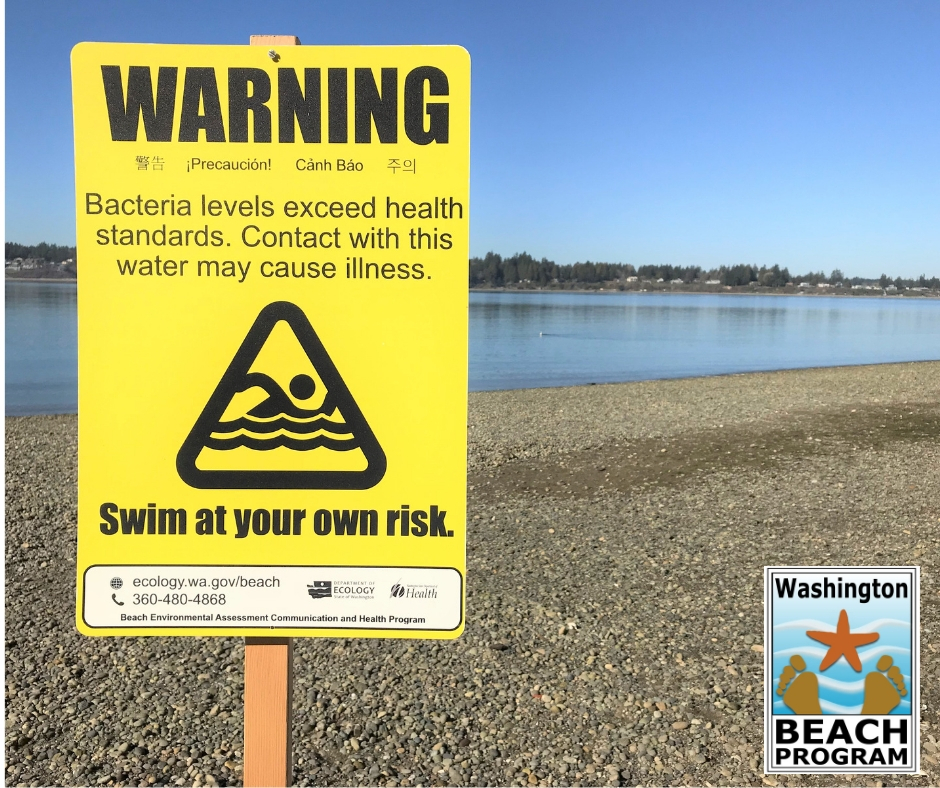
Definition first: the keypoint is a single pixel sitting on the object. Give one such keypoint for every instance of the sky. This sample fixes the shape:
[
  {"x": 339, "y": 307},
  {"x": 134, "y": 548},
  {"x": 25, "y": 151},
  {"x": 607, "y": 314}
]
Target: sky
[{"x": 647, "y": 132}]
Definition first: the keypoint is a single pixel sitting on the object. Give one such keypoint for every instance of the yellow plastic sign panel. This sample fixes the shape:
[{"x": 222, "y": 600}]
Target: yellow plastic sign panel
[{"x": 272, "y": 315}]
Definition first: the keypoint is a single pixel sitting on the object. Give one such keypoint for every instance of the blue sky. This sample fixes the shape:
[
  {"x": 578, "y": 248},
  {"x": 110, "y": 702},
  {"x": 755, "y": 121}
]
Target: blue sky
[{"x": 651, "y": 131}]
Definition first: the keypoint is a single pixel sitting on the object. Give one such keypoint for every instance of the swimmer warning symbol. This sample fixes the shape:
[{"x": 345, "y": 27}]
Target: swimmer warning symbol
[{"x": 281, "y": 417}]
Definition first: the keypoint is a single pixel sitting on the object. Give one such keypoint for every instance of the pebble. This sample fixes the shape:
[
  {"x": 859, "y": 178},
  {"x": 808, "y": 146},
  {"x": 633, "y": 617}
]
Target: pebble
[{"x": 600, "y": 620}]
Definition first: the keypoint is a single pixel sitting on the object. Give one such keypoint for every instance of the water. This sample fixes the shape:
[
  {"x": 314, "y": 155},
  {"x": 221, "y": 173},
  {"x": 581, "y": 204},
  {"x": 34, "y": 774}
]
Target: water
[
  {"x": 41, "y": 348},
  {"x": 527, "y": 340}
]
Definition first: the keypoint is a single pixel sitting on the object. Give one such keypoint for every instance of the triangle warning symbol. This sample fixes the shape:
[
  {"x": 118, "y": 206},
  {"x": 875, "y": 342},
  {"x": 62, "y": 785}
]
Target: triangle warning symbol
[{"x": 281, "y": 417}]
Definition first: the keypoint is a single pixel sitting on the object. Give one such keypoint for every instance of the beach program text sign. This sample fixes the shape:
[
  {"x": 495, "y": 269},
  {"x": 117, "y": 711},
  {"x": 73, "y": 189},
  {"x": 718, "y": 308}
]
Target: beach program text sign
[{"x": 272, "y": 339}]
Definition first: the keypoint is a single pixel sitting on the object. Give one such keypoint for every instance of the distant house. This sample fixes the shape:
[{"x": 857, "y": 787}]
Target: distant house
[
  {"x": 713, "y": 281},
  {"x": 675, "y": 281},
  {"x": 632, "y": 278}
]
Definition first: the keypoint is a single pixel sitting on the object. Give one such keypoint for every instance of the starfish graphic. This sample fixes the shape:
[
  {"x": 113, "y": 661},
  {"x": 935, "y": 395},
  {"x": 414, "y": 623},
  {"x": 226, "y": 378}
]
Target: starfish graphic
[{"x": 842, "y": 643}]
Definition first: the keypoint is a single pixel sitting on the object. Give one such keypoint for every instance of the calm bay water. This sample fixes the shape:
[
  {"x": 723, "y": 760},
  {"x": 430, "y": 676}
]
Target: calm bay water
[
  {"x": 523, "y": 340},
  {"x": 41, "y": 348},
  {"x": 528, "y": 340}
]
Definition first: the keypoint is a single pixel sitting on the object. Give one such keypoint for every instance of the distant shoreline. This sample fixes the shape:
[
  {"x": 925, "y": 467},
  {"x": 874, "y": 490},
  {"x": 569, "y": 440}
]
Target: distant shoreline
[
  {"x": 55, "y": 280},
  {"x": 731, "y": 292},
  {"x": 601, "y": 291}
]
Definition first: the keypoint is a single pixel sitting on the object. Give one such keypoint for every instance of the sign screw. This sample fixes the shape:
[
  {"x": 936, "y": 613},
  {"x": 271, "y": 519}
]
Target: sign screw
[{"x": 273, "y": 55}]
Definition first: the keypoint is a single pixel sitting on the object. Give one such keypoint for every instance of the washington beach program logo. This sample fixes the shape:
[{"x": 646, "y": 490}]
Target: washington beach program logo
[{"x": 841, "y": 689}]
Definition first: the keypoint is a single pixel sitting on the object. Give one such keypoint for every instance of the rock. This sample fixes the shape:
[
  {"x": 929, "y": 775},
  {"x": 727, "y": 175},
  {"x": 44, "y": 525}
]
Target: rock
[{"x": 537, "y": 607}]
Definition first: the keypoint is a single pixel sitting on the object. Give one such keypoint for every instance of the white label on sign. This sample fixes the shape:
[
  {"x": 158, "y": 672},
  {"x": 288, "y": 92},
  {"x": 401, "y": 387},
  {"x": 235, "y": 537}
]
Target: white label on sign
[{"x": 273, "y": 597}]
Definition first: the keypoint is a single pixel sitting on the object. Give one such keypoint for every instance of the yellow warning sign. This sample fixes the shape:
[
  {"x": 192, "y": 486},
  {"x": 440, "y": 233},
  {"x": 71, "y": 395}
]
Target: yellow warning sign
[{"x": 272, "y": 339}]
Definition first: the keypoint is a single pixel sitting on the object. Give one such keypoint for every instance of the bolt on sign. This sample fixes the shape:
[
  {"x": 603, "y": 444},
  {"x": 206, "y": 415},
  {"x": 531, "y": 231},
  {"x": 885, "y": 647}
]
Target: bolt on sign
[
  {"x": 841, "y": 683},
  {"x": 272, "y": 339}
]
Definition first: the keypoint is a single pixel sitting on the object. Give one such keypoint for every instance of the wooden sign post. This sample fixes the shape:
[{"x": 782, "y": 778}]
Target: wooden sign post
[
  {"x": 269, "y": 673},
  {"x": 268, "y": 683}
]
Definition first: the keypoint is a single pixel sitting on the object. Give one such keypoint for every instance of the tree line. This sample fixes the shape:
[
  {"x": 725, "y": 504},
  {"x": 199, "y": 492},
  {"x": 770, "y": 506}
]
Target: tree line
[
  {"x": 51, "y": 253},
  {"x": 493, "y": 270},
  {"x": 496, "y": 271}
]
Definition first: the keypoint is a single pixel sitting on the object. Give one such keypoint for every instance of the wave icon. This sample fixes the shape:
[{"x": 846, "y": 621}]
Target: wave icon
[
  {"x": 277, "y": 421},
  {"x": 878, "y": 625},
  {"x": 866, "y": 656},
  {"x": 883, "y": 690},
  {"x": 828, "y": 707}
]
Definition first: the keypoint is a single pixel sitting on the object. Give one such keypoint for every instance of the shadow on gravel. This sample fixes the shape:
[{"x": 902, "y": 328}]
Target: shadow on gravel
[{"x": 762, "y": 445}]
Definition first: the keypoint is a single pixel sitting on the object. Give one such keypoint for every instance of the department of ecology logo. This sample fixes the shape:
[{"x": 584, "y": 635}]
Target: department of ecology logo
[
  {"x": 841, "y": 691},
  {"x": 320, "y": 589},
  {"x": 281, "y": 417},
  {"x": 341, "y": 589}
]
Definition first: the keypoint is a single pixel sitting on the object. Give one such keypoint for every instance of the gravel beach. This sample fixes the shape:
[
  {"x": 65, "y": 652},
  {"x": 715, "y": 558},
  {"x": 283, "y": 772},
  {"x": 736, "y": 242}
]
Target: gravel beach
[{"x": 614, "y": 631}]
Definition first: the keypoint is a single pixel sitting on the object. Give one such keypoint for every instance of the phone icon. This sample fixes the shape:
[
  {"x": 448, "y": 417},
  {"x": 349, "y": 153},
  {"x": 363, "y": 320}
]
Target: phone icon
[{"x": 115, "y": 600}]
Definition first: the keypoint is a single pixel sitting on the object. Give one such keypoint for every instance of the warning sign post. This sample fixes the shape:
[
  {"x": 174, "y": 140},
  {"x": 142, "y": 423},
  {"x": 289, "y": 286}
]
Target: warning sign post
[{"x": 272, "y": 339}]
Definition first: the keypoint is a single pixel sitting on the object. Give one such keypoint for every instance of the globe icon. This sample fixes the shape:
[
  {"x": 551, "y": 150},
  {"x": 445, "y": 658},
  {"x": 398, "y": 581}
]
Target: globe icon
[{"x": 116, "y": 582}]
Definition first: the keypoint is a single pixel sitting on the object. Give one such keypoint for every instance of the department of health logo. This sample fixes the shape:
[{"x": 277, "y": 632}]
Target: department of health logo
[
  {"x": 841, "y": 670},
  {"x": 401, "y": 590}
]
